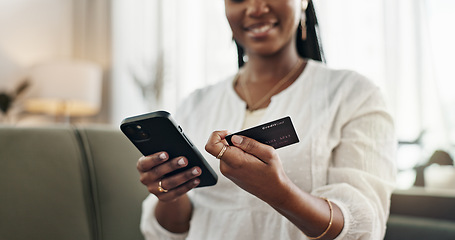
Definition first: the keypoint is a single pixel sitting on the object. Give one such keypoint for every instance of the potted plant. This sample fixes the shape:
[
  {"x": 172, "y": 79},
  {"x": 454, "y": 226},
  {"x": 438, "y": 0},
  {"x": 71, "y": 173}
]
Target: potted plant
[{"x": 7, "y": 99}]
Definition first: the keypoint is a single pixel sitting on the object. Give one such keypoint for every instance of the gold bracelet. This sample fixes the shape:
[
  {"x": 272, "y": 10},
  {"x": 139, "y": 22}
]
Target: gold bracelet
[{"x": 330, "y": 220}]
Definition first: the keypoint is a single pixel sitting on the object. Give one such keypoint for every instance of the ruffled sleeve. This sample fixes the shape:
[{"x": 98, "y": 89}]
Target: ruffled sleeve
[
  {"x": 361, "y": 173},
  {"x": 150, "y": 227}
]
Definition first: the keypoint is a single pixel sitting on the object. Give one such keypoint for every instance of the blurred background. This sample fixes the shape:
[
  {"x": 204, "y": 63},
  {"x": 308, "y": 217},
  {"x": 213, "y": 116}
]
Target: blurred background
[{"x": 99, "y": 61}]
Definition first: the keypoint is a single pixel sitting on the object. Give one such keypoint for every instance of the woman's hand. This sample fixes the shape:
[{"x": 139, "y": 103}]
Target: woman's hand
[
  {"x": 153, "y": 168},
  {"x": 173, "y": 210},
  {"x": 256, "y": 168},
  {"x": 251, "y": 165}
]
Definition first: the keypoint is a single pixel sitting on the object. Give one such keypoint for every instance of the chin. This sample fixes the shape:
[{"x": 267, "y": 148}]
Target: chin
[{"x": 265, "y": 51}]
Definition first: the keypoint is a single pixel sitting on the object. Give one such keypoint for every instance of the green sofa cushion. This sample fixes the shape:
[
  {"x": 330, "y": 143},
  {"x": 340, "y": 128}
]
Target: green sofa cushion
[
  {"x": 418, "y": 228},
  {"x": 43, "y": 191},
  {"x": 118, "y": 193}
]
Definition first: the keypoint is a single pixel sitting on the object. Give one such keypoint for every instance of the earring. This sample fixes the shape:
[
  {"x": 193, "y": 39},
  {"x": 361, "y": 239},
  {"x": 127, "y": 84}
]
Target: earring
[
  {"x": 245, "y": 58},
  {"x": 303, "y": 19}
]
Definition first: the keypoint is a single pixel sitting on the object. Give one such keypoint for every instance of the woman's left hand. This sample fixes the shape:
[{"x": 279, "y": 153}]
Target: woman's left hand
[
  {"x": 257, "y": 168},
  {"x": 253, "y": 166}
]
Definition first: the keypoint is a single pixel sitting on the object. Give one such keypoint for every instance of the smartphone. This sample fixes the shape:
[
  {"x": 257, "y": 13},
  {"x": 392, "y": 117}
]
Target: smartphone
[{"x": 157, "y": 131}]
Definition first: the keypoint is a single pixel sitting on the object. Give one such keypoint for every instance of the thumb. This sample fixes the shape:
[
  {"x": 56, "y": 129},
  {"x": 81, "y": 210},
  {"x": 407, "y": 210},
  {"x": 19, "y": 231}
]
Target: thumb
[{"x": 253, "y": 147}]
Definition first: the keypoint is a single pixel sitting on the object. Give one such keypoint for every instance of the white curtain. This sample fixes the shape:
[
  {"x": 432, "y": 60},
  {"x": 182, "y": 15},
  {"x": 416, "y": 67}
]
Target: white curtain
[
  {"x": 406, "y": 47},
  {"x": 164, "y": 49},
  {"x": 92, "y": 41},
  {"x": 198, "y": 45},
  {"x": 92, "y": 30}
]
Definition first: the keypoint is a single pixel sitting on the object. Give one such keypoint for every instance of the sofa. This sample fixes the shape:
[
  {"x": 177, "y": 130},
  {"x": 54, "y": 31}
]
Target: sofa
[
  {"x": 421, "y": 213},
  {"x": 68, "y": 182},
  {"x": 80, "y": 182}
]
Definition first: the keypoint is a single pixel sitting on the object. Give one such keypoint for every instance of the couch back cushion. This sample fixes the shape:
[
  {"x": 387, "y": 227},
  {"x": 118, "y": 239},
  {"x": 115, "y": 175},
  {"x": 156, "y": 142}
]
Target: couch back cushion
[
  {"x": 43, "y": 187},
  {"x": 425, "y": 203},
  {"x": 118, "y": 193},
  {"x": 402, "y": 227}
]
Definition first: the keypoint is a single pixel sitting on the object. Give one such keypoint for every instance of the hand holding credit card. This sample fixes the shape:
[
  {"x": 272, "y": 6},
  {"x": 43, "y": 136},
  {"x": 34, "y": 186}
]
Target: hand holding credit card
[{"x": 278, "y": 133}]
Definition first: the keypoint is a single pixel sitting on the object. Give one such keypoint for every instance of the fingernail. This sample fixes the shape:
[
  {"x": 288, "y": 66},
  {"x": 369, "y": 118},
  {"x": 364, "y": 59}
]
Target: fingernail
[
  {"x": 196, "y": 181},
  {"x": 237, "y": 139},
  {"x": 162, "y": 156},
  {"x": 181, "y": 162},
  {"x": 195, "y": 171}
]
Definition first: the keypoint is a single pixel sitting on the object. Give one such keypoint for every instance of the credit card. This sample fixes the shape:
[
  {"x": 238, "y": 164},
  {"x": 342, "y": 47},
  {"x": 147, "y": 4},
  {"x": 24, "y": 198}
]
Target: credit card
[{"x": 278, "y": 133}]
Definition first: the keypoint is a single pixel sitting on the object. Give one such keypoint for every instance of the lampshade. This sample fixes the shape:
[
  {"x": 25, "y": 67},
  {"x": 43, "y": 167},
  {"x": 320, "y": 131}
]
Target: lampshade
[{"x": 66, "y": 87}]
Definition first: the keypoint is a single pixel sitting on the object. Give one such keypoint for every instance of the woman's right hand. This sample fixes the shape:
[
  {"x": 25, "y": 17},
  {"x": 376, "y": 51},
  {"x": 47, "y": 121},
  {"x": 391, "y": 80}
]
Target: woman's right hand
[{"x": 153, "y": 168}]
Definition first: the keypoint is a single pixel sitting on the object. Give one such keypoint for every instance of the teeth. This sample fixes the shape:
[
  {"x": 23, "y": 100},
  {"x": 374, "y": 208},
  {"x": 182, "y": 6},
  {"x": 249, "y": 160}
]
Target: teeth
[{"x": 261, "y": 29}]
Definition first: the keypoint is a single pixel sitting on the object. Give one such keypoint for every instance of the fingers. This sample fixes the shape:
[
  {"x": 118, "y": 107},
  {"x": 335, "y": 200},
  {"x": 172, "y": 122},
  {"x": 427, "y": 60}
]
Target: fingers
[
  {"x": 253, "y": 147},
  {"x": 146, "y": 163},
  {"x": 216, "y": 144},
  {"x": 176, "y": 185},
  {"x": 176, "y": 180},
  {"x": 157, "y": 167}
]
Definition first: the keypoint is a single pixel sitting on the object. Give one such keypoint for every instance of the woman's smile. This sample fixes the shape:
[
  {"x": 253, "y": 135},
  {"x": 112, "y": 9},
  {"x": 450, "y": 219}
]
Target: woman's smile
[
  {"x": 263, "y": 27},
  {"x": 260, "y": 30}
]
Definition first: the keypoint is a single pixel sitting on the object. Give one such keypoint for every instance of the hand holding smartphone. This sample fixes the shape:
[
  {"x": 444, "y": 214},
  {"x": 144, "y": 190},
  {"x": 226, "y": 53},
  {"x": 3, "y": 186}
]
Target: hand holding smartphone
[{"x": 157, "y": 131}]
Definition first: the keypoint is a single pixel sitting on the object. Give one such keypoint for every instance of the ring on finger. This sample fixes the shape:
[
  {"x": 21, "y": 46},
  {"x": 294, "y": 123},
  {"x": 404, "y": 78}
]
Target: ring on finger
[
  {"x": 222, "y": 152},
  {"x": 161, "y": 189}
]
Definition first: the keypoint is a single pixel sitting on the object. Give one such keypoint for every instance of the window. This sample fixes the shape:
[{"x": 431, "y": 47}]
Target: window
[{"x": 406, "y": 47}]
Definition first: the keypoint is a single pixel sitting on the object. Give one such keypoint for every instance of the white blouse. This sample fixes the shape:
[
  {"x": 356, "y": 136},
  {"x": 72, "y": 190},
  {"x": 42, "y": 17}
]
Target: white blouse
[{"x": 346, "y": 153}]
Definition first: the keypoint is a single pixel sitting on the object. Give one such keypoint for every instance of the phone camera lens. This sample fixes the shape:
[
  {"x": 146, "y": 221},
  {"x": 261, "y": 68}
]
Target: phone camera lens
[
  {"x": 129, "y": 130},
  {"x": 143, "y": 135},
  {"x": 137, "y": 133}
]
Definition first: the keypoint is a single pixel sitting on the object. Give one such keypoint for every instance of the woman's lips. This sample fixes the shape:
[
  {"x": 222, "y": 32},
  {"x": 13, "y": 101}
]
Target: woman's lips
[{"x": 259, "y": 30}]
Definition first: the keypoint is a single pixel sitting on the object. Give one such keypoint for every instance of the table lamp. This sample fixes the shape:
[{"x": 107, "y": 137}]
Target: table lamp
[{"x": 65, "y": 88}]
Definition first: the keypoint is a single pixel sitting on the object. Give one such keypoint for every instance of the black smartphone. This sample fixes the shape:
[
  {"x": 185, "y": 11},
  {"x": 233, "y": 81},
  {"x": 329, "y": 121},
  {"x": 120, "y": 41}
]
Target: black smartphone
[{"x": 157, "y": 131}]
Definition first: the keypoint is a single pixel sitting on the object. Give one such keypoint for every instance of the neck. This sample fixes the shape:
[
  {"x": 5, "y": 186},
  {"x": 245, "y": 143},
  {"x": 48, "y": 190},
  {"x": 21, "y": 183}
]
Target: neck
[
  {"x": 258, "y": 94},
  {"x": 268, "y": 69}
]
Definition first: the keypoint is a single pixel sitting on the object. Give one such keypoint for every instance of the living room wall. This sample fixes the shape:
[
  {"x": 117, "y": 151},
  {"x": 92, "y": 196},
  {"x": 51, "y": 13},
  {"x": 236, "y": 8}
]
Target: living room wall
[
  {"x": 32, "y": 31},
  {"x": 35, "y": 31}
]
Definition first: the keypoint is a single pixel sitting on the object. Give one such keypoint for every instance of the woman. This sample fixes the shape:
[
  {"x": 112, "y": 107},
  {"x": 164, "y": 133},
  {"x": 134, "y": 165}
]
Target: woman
[{"x": 335, "y": 183}]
